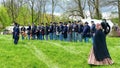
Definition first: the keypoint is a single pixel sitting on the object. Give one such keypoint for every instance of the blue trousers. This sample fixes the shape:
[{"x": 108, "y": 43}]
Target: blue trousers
[
  {"x": 74, "y": 36},
  {"x": 16, "y": 40},
  {"x": 46, "y": 36},
  {"x": 33, "y": 37},
  {"x": 69, "y": 37},
  {"x": 40, "y": 36},
  {"x": 28, "y": 37},
  {"x": 86, "y": 39},
  {"x": 54, "y": 36},
  {"x": 65, "y": 39},
  {"x": 92, "y": 40},
  {"x": 80, "y": 37},
  {"x": 57, "y": 37},
  {"x": 51, "y": 36},
  {"x": 61, "y": 37}
]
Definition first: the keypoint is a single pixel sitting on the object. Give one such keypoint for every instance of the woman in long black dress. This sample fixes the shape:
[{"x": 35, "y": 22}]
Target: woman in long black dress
[{"x": 99, "y": 54}]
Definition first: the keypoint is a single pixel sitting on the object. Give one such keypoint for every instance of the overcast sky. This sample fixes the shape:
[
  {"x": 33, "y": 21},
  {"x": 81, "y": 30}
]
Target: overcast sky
[{"x": 58, "y": 10}]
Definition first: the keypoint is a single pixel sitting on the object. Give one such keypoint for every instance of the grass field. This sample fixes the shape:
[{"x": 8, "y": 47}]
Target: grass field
[{"x": 51, "y": 54}]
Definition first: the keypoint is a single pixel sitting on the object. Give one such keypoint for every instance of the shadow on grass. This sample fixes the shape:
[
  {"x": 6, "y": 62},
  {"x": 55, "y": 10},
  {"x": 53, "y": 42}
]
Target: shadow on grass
[{"x": 101, "y": 66}]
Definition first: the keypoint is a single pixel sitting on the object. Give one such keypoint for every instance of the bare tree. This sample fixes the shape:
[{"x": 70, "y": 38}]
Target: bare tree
[
  {"x": 13, "y": 8},
  {"x": 54, "y": 5},
  {"x": 94, "y": 8},
  {"x": 4, "y": 3},
  {"x": 80, "y": 8},
  {"x": 32, "y": 5},
  {"x": 44, "y": 10},
  {"x": 119, "y": 10},
  {"x": 76, "y": 8},
  {"x": 97, "y": 10},
  {"x": 114, "y": 3},
  {"x": 91, "y": 8},
  {"x": 39, "y": 11}
]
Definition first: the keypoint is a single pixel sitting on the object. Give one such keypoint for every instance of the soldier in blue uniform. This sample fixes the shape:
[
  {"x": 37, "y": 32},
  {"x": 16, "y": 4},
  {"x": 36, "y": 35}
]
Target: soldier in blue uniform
[
  {"x": 61, "y": 27},
  {"x": 65, "y": 31},
  {"x": 38, "y": 32},
  {"x": 74, "y": 31},
  {"x": 29, "y": 31},
  {"x": 16, "y": 33},
  {"x": 57, "y": 31},
  {"x": 43, "y": 30},
  {"x": 51, "y": 31},
  {"x": 46, "y": 31},
  {"x": 93, "y": 30},
  {"x": 80, "y": 30},
  {"x": 86, "y": 32},
  {"x": 23, "y": 29},
  {"x": 69, "y": 31},
  {"x": 34, "y": 28},
  {"x": 54, "y": 31}
]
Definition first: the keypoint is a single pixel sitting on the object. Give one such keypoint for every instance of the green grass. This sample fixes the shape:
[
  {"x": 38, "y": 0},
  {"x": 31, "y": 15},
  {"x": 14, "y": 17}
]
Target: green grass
[{"x": 51, "y": 54}]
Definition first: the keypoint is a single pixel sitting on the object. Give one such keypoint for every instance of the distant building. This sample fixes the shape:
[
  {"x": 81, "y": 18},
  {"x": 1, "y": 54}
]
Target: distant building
[{"x": 9, "y": 29}]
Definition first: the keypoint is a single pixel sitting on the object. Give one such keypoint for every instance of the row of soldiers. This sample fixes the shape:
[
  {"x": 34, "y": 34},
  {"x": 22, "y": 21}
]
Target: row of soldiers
[{"x": 71, "y": 31}]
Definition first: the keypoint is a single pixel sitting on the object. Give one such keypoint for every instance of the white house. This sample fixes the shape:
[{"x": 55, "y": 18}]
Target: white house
[{"x": 97, "y": 21}]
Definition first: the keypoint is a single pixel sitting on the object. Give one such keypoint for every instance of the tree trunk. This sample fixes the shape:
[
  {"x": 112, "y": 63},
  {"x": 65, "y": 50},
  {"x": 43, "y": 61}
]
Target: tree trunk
[
  {"x": 119, "y": 10},
  {"x": 12, "y": 10},
  {"x": 97, "y": 9},
  {"x": 32, "y": 12},
  {"x": 53, "y": 6},
  {"x": 80, "y": 9},
  {"x": 4, "y": 3},
  {"x": 90, "y": 10},
  {"x": 44, "y": 12}
]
